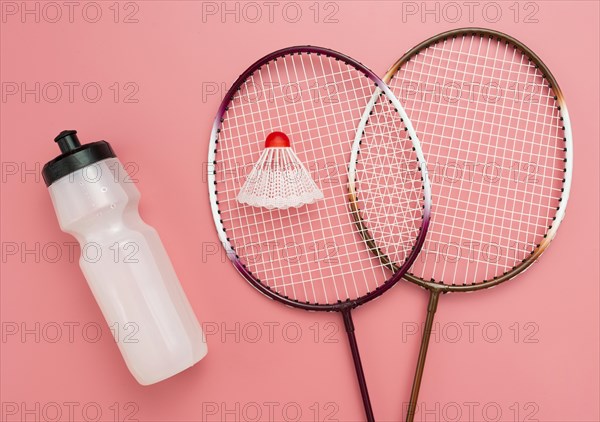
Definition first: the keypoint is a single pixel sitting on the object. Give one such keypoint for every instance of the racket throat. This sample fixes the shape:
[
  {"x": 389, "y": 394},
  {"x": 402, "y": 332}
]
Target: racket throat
[
  {"x": 414, "y": 394},
  {"x": 349, "y": 324}
]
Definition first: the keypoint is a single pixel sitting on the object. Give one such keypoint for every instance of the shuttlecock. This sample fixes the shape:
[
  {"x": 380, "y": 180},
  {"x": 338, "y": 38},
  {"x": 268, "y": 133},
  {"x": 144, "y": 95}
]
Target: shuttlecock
[{"x": 278, "y": 179}]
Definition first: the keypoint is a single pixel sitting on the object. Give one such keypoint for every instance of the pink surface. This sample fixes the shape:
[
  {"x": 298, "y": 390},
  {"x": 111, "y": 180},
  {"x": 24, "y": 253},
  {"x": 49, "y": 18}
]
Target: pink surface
[{"x": 528, "y": 349}]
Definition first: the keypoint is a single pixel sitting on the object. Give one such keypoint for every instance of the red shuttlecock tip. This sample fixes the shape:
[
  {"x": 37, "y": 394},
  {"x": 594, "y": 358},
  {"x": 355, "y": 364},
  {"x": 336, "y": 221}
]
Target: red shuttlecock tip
[{"x": 277, "y": 139}]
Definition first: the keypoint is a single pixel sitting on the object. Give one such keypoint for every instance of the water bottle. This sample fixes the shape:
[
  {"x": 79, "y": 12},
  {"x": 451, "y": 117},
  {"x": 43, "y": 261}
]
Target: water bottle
[{"x": 123, "y": 260}]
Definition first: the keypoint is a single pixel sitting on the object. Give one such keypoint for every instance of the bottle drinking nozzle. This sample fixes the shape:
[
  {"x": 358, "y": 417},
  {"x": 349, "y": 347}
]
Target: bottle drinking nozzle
[{"x": 67, "y": 140}]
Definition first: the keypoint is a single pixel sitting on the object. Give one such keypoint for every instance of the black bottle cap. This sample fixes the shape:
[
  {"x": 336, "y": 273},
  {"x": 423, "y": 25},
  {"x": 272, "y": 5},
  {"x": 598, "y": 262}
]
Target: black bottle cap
[{"x": 74, "y": 156}]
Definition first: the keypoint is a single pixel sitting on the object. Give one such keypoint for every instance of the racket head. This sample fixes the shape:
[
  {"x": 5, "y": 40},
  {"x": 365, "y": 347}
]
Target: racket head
[
  {"x": 559, "y": 147},
  {"x": 237, "y": 137}
]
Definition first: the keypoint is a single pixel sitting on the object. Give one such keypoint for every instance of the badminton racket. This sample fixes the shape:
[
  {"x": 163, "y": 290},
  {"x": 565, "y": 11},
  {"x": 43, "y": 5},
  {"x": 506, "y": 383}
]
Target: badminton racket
[
  {"x": 310, "y": 254},
  {"x": 495, "y": 131}
]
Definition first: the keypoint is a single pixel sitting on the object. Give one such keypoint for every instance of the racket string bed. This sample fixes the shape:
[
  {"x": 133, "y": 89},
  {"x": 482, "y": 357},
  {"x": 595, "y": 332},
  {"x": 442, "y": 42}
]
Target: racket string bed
[
  {"x": 335, "y": 188},
  {"x": 505, "y": 133}
]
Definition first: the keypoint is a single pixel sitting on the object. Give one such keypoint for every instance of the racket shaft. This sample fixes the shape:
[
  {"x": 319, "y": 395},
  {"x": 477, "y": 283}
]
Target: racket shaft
[
  {"x": 358, "y": 364},
  {"x": 414, "y": 395}
]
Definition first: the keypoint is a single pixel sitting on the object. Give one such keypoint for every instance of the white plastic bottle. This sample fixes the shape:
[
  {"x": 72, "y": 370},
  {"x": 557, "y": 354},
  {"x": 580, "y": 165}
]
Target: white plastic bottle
[{"x": 123, "y": 260}]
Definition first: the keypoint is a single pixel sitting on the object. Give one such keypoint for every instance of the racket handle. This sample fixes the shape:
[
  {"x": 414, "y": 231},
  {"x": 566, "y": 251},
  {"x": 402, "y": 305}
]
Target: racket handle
[
  {"x": 358, "y": 364},
  {"x": 414, "y": 395}
]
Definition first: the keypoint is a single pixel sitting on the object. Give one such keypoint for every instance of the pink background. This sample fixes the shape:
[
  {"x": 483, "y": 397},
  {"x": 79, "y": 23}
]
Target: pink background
[{"x": 532, "y": 349}]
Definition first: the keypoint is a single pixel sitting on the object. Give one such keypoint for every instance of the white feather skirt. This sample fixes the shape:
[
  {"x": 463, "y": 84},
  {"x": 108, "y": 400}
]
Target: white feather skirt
[{"x": 278, "y": 180}]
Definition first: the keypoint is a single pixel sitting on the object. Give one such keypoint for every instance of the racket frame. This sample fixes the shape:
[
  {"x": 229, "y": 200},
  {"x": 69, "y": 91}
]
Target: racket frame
[
  {"x": 381, "y": 89},
  {"x": 568, "y": 170}
]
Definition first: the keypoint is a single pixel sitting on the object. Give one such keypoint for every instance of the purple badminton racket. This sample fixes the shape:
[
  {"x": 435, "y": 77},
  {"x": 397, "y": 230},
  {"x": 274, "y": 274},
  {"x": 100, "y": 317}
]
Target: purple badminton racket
[{"x": 322, "y": 113}]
